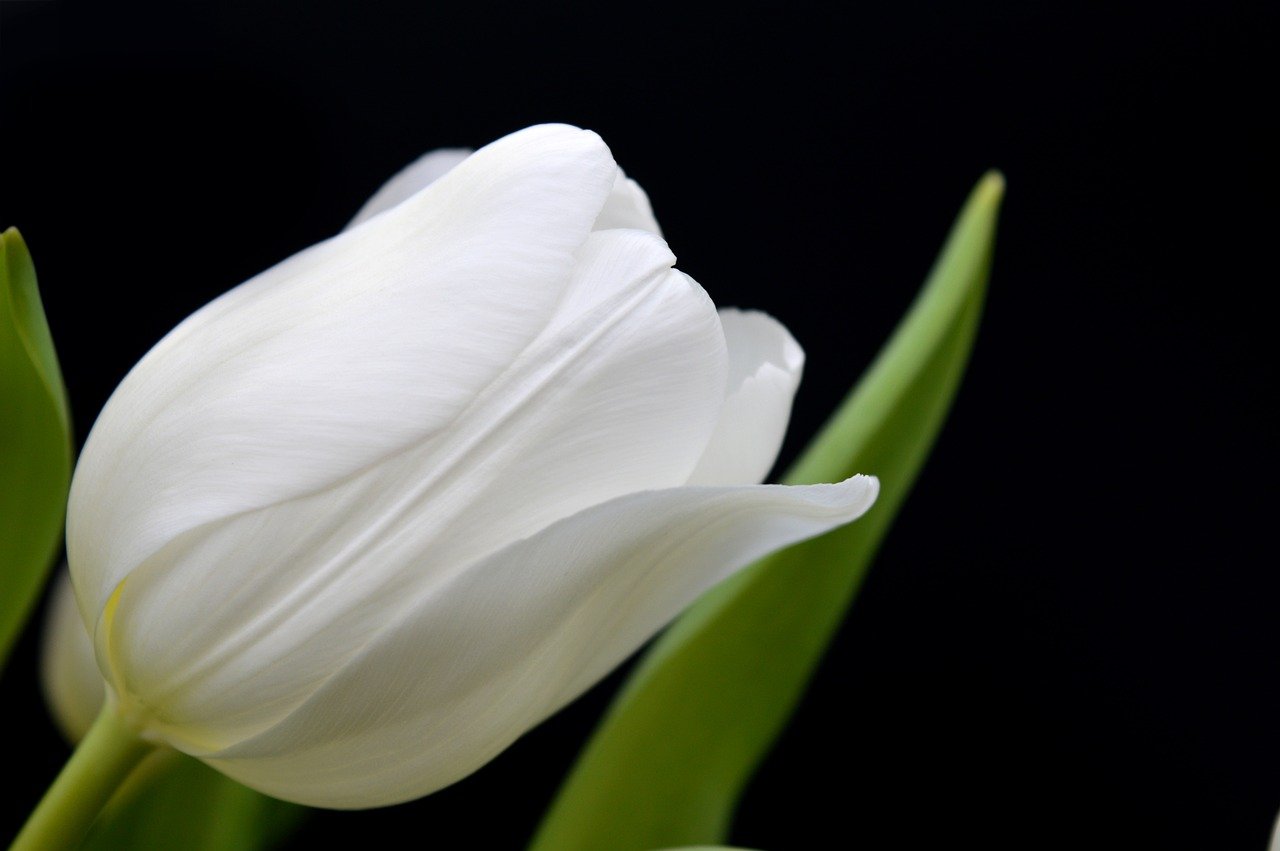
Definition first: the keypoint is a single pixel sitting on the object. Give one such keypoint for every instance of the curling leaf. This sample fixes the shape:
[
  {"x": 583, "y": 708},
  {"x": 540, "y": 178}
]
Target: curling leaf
[{"x": 673, "y": 755}]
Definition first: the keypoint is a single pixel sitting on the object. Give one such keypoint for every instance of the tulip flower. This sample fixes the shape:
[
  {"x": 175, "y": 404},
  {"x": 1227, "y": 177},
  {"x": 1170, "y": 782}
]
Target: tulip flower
[{"x": 355, "y": 526}]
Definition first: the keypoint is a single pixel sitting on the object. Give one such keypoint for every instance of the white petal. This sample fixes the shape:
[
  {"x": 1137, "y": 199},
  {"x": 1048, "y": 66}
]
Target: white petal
[
  {"x": 628, "y": 207},
  {"x": 765, "y": 363},
  {"x": 482, "y": 659},
  {"x": 338, "y": 358},
  {"x": 411, "y": 179},
  {"x": 232, "y": 625},
  {"x": 73, "y": 686}
]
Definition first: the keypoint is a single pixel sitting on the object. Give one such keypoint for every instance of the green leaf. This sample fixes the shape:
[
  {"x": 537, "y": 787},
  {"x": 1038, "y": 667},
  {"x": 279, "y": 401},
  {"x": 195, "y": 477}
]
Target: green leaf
[
  {"x": 35, "y": 441},
  {"x": 175, "y": 801},
  {"x": 673, "y": 754}
]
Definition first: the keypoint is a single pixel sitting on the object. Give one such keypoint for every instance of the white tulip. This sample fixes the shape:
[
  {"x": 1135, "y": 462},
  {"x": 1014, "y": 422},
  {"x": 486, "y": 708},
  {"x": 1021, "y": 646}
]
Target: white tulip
[{"x": 355, "y": 526}]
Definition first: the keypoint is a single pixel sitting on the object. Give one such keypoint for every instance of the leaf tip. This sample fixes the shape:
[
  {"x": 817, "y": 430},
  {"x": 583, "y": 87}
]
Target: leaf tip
[
  {"x": 10, "y": 241},
  {"x": 11, "y": 236},
  {"x": 990, "y": 189}
]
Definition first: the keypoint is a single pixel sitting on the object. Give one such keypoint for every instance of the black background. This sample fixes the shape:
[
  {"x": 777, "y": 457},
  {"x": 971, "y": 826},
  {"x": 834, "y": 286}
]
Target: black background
[{"x": 1069, "y": 639}]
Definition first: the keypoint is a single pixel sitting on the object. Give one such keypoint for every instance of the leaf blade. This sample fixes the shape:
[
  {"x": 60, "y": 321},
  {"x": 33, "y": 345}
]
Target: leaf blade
[
  {"x": 35, "y": 441},
  {"x": 672, "y": 756}
]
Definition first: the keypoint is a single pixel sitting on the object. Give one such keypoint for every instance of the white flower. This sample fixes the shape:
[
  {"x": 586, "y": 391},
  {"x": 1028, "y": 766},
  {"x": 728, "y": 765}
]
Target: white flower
[{"x": 355, "y": 526}]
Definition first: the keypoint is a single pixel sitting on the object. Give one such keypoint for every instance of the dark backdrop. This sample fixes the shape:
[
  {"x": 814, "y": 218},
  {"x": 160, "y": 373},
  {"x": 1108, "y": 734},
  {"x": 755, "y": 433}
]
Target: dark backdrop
[{"x": 1069, "y": 638}]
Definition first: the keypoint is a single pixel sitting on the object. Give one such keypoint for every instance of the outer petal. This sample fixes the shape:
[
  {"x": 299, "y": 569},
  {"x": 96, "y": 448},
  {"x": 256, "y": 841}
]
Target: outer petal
[
  {"x": 73, "y": 686},
  {"x": 431, "y": 699},
  {"x": 765, "y": 364},
  {"x": 411, "y": 179},
  {"x": 627, "y": 207},
  {"x": 620, "y": 393},
  {"x": 338, "y": 358}
]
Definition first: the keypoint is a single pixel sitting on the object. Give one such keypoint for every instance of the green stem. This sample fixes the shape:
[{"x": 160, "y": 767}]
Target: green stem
[{"x": 99, "y": 765}]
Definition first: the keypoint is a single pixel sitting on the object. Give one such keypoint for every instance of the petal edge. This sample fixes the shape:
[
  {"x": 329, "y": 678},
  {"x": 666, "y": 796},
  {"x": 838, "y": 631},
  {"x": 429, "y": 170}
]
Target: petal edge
[{"x": 560, "y": 621}]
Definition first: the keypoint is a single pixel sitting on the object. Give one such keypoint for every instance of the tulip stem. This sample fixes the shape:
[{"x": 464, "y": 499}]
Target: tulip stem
[{"x": 101, "y": 762}]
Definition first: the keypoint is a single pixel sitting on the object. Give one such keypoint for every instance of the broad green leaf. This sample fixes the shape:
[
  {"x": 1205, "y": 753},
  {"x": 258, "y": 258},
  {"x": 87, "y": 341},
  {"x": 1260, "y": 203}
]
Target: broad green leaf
[
  {"x": 673, "y": 754},
  {"x": 175, "y": 801},
  {"x": 35, "y": 441}
]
